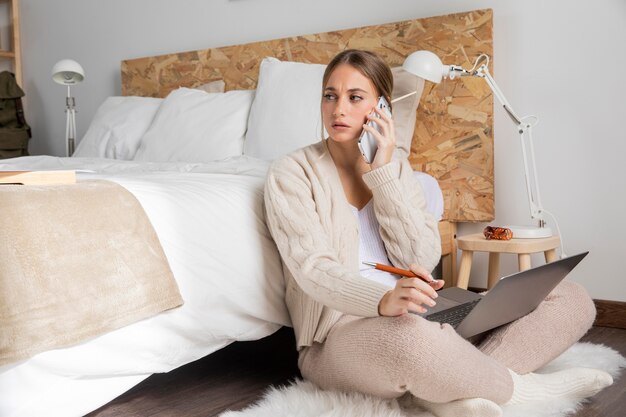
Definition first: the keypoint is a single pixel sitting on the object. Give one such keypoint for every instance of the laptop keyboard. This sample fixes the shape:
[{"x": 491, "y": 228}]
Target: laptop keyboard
[{"x": 454, "y": 315}]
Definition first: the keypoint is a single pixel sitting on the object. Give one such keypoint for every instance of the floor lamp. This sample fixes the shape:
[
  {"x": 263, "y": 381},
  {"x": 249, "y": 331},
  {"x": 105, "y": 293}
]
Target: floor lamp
[
  {"x": 69, "y": 72},
  {"x": 427, "y": 65}
]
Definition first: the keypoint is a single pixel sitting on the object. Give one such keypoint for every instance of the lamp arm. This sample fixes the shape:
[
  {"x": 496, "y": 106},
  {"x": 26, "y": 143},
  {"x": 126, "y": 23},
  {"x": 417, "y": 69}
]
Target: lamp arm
[
  {"x": 70, "y": 123},
  {"x": 532, "y": 182},
  {"x": 483, "y": 72},
  {"x": 524, "y": 129}
]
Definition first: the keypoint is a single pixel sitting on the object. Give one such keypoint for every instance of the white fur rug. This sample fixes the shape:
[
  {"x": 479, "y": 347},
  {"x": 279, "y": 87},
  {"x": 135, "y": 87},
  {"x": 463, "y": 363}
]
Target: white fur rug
[{"x": 303, "y": 399}]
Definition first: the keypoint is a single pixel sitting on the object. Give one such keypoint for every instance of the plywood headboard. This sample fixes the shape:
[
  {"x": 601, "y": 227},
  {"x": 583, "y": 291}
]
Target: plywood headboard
[{"x": 453, "y": 138}]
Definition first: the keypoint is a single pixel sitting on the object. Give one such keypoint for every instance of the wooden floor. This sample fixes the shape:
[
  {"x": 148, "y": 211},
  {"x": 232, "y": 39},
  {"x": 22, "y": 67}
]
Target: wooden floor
[{"x": 238, "y": 375}]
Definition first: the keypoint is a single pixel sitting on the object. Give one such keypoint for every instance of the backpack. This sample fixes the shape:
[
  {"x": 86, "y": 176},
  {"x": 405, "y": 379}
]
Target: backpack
[{"x": 14, "y": 131}]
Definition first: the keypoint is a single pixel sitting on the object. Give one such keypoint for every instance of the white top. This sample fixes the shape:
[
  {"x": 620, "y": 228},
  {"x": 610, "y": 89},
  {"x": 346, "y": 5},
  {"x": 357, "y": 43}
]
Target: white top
[{"x": 371, "y": 247}]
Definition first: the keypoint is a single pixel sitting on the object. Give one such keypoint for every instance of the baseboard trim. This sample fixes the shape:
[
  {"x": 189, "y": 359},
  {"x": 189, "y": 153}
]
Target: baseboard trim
[{"x": 610, "y": 314}]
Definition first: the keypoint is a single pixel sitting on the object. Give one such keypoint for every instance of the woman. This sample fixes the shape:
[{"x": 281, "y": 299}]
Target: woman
[{"x": 328, "y": 210}]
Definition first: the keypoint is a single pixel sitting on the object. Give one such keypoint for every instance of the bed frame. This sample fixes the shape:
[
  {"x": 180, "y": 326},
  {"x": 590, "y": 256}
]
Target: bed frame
[{"x": 453, "y": 139}]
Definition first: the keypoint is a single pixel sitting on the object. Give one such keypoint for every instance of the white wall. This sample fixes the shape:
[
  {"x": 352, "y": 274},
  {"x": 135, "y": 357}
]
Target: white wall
[{"x": 560, "y": 60}]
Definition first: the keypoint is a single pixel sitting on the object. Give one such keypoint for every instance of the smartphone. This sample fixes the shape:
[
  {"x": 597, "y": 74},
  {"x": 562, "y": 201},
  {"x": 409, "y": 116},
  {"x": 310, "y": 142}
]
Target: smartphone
[{"x": 367, "y": 141}]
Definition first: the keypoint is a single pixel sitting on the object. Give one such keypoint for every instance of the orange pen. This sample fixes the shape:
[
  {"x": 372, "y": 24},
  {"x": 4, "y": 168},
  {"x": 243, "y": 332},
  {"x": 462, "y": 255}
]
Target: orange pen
[{"x": 403, "y": 272}]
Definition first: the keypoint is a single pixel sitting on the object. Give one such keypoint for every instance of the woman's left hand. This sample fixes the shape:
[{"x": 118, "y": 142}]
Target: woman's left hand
[{"x": 386, "y": 139}]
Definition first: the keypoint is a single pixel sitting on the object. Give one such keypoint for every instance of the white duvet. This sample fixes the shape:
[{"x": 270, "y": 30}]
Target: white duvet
[{"x": 209, "y": 219}]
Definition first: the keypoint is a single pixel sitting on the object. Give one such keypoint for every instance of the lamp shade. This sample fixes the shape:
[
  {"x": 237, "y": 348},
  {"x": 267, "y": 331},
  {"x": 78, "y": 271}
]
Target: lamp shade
[
  {"x": 67, "y": 72},
  {"x": 426, "y": 65}
]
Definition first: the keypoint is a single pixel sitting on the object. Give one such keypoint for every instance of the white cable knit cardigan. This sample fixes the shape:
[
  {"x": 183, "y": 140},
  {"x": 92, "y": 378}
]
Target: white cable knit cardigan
[{"x": 316, "y": 233}]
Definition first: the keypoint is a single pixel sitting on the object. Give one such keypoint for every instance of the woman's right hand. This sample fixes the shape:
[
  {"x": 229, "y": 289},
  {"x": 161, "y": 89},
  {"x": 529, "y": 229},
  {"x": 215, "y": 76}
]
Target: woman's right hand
[{"x": 409, "y": 295}]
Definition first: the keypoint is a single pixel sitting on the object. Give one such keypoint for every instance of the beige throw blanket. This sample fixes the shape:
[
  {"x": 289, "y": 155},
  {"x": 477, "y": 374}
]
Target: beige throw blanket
[{"x": 76, "y": 261}]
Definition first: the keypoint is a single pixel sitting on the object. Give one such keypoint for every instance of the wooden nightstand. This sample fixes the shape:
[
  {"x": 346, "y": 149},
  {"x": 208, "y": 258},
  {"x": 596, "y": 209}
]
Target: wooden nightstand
[{"x": 522, "y": 247}]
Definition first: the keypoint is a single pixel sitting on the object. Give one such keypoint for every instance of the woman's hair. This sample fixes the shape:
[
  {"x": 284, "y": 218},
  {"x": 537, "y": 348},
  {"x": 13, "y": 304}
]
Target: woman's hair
[{"x": 367, "y": 63}]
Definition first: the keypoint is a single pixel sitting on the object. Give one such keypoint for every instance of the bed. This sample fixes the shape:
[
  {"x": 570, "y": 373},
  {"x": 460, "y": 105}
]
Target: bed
[{"x": 191, "y": 140}]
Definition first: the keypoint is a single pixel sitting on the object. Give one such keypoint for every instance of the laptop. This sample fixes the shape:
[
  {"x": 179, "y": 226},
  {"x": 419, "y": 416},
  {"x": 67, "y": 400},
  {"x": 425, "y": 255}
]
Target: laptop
[{"x": 512, "y": 297}]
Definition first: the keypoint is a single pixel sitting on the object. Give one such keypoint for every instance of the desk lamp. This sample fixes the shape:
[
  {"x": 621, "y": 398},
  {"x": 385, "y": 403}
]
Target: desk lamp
[
  {"x": 427, "y": 65},
  {"x": 69, "y": 72}
]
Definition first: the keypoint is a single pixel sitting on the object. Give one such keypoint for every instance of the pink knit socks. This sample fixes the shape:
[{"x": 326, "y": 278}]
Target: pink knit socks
[{"x": 572, "y": 383}]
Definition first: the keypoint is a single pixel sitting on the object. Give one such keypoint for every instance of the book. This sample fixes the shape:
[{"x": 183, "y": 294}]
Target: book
[{"x": 37, "y": 177}]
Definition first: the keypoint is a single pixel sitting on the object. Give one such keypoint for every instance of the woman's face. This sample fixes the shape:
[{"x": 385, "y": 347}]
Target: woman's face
[{"x": 349, "y": 97}]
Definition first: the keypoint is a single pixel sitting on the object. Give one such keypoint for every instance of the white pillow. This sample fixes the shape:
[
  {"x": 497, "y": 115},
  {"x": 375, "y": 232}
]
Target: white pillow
[
  {"x": 405, "y": 110},
  {"x": 432, "y": 194},
  {"x": 117, "y": 127},
  {"x": 216, "y": 86},
  {"x": 286, "y": 113},
  {"x": 195, "y": 126}
]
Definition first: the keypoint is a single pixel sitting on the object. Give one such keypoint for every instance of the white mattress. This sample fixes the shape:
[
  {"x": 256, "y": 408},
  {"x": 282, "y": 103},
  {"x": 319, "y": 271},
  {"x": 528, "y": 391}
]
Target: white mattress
[{"x": 209, "y": 219}]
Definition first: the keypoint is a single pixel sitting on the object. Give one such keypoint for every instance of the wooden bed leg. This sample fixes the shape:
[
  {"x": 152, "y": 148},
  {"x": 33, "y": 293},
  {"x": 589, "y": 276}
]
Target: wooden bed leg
[
  {"x": 447, "y": 231},
  {"x": 453, "y": 255},
  {"x": 446, "y": 269}
]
